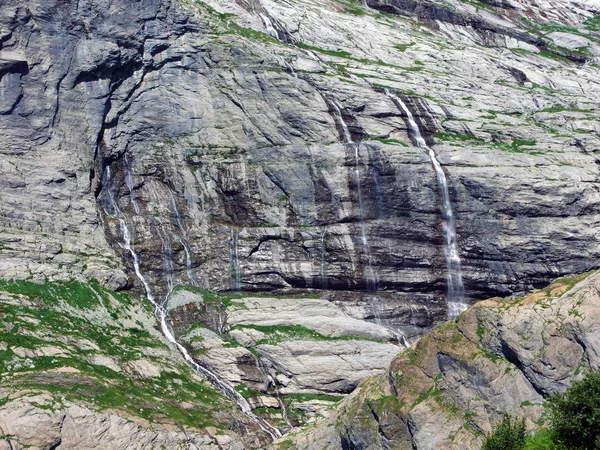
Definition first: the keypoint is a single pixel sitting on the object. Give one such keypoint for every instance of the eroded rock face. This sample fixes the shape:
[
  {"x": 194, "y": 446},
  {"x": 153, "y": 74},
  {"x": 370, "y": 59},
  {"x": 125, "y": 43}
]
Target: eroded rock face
[
  {"x": 261, "y": 153},
  {"x": 296, "y": 356},
  {"x": 455, "y": 383},
  {"x": 227, "y": 164}
]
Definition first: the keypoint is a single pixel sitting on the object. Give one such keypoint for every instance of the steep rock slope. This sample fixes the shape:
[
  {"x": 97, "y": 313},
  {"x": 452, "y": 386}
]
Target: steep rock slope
[
  {"x": 454, "y": 384},
  {"x": 247, "y": 146},
  {"x": 221, "y": 148}
]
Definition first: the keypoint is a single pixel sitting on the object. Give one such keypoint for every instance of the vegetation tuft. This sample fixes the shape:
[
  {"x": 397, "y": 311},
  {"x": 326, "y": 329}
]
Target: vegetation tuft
[{"x": 573, "y": 419}]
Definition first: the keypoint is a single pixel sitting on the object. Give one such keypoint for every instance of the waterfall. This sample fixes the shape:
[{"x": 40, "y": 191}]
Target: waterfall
[
  {"x": 267, "y": 381},
  {"x": 370, "y": 274},
  {"x": 271, "y": 30},
  {"x": 456, "y": 292},
  {"x": 161, "y": 314},
  {"x": 184, "y": 241},
  {"x": 324, "y": 278},
  {"x": 234, "y": 257}
]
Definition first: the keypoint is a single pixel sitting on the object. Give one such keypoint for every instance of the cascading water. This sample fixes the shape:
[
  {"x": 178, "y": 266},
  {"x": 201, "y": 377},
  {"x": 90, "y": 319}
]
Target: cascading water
[
  {"x": 456, "y": 292},
  {"x": 234, "y": 257},
  {"x": 271, "y": 30},
  {"x": 266, "y": 382},
  {"x": 160, "y": 311},
  {"x": 370, "y": 275},
  {"x": 184, "y": 242},
  {"x": 324, "y": 278}
]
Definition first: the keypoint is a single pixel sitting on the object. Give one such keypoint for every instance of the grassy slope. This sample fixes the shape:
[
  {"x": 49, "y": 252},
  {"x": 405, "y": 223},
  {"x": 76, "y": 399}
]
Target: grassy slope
[{"x": 83, "y": 344}]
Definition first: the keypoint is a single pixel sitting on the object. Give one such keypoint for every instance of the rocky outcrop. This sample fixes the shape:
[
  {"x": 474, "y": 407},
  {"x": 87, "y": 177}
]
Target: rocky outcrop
[
  {"x": 32, "y": 422},
  {"x": 286, "y": 354},
  {"x": 453, "y": 385}
]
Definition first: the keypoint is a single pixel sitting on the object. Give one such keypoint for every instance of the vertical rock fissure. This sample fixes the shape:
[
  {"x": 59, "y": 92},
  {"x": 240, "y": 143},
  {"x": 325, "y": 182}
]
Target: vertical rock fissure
[{"x": 455, "y": 287}]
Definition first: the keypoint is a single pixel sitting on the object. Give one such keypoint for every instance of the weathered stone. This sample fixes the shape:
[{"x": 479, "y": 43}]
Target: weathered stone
[{"x": 498, "y": 357}]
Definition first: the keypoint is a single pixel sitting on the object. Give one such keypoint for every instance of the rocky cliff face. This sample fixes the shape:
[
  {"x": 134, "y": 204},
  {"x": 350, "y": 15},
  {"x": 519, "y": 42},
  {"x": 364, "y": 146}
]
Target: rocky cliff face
[
  {"x": 448, "y": 390},
  {"x": 250, "y": 147},
  {"x": 218, "y": 145}
]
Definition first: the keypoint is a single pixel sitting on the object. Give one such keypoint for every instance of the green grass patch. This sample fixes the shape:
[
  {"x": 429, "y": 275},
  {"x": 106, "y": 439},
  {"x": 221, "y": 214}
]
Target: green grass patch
[
  {"x": 387, "y": 141},
  {"x": 403, "y": 47},
  {"x": 516, "y": 146},
  {"x": 337, "y": 53},
  {"x": 457, "y": 137},
  {"x": 84, "y": 321},
  {"x": 74, "y": 293},
  {"x": 560, "y": 108},
  {"x": 310, "y": 397},
  {"x": 353, "y": 7},
  {"x": 276, "y": 334},
  {"x": 593, "y": 23}
]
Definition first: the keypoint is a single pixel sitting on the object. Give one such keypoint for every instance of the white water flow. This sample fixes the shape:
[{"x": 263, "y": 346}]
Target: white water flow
[
  {"x": 324, "y": 278},
  {"x": 456, "y": 291},
  {"x": 184, "y": 242},
  {"x": 271, "y": 30},
  {"x": 370, "y": 275},
  {"x": 290, "y": 68},
  {"x": 161, "y": 315},
  {"x": 264, "y": 372},
  {"x": 234, "y": 257}
]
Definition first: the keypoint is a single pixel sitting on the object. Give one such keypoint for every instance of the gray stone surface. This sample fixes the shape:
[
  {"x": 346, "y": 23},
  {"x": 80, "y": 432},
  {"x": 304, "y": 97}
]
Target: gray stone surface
[
  {"x": 27, "y": 424},
  {"x": 217, "y": 146},
  {"x": 500, "y": 357},
  {"x": 229, "y": 169}
]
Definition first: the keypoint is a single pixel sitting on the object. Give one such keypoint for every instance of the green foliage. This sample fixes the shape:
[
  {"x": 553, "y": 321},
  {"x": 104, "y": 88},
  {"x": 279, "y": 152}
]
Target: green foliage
[
  {"x": 309, "y": 397},
  {"x": 457, "y": 137},
  {"x": 353, "y": 7},
  {"x": 76, "y": 294},
  {"x": 403, "y": 47},
  {"x": 337, "y": 53},
  {"x": 386, "y": 141},
  {"x": 281, "y": 333},
  {"x": 347, "y": 55},
  {"x": 560, "y": 108},
  {"x": 543, "y": 440},
  {"x": 574, "y": 415},
  {"x": 550, "y": 27},
  {"x": 515, "y": 146},
  {"x": 83, "y": 321},
  {"x": 593, "y": 23},
  {"x": 509, "y": 435}
]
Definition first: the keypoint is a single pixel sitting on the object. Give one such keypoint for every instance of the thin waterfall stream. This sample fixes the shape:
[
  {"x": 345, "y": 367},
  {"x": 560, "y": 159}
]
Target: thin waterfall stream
[
  {"x": 264, "y": 372},
  {"x": 370, "y": 275},
  {"x": 161, "y": 314},
  {"x": 456, "y": 291},
  {"x": 183, "y": 240},
  {"x": 234, "y": 257}
]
